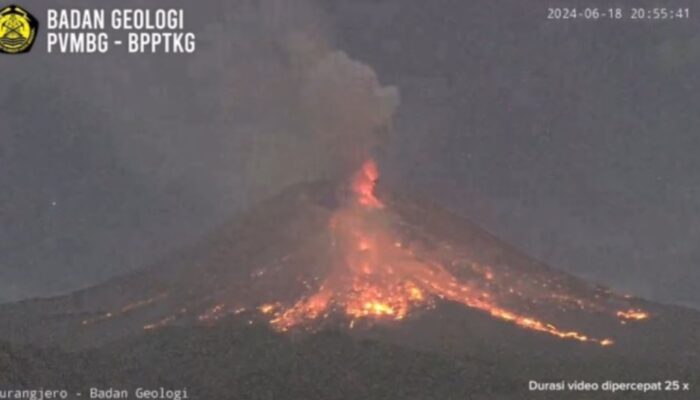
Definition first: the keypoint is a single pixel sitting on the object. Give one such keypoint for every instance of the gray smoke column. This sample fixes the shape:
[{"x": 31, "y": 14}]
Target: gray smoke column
[
  {"x": 340, "y": 112},
  {"x": 348, "y": 112}
]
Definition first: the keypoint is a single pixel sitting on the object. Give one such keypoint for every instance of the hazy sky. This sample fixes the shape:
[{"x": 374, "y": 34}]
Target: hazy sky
[{"x": 575, "y": 141}]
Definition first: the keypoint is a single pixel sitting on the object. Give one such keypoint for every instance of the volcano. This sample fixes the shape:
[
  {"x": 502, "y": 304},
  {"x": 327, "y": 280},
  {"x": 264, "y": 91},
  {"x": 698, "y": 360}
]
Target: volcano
[
  {"x": 367, "y": 263},
  {"x": 328, "y": 254}
]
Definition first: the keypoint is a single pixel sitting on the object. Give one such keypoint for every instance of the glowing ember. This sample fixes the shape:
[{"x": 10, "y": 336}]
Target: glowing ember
[
  {"x": 125, "y": 309},
  {"x": 636, "y": 315},
  {"x": 159, "y": 324},
  {"x": 102, "y": 317},
  {"x": 213, "y": 313},
  {"x": 142, "y": 303},
  {"x": 267, "y": 308},
  {"x": 378, "y": 277},
  {"x": 363, "y": 185}
]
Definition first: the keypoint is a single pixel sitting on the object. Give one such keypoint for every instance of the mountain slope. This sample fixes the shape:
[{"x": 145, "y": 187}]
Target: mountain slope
[
  {"x": 199, "y": 318},
  {"x": 280, "y": 250}
]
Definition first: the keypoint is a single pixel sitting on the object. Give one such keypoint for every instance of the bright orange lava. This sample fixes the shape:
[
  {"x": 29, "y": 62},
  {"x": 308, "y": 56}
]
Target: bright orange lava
[
  {"x": 633, "y": 315},
  {"x": 363, "y": 185},
  {"x": 377, "y": 278}
]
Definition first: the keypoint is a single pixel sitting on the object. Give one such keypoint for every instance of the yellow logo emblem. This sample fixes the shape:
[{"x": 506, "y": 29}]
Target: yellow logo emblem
[{"x": 17, "y": 30}]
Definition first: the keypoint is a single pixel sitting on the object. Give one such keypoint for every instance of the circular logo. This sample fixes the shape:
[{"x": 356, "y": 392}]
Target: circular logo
[{"x": 17, "y": 30}]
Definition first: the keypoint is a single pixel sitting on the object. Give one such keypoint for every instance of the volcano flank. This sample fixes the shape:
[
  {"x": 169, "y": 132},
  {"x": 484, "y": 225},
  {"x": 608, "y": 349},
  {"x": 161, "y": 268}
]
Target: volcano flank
[{"x": 330, "y": 277}]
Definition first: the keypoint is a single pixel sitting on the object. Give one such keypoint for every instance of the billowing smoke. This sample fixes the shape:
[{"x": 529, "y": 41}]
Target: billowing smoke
[
  {"x": 311, "y": 111},
  {"x": 348, "y": 111},
  {"x": 343, "y": 116}
]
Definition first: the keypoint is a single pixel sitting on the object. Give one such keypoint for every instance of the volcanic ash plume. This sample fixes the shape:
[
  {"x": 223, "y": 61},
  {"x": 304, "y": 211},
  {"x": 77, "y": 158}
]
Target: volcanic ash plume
[
  {"x": 334, "y": 114},
  {"x": 348, "y": 111}
]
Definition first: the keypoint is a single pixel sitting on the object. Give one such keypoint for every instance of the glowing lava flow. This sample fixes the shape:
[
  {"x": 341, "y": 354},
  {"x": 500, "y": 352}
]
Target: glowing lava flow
[
  {"x": 363, "y": 185},
  {"x": 375, "y": 277},
  {"x": 637, "y": 315}
]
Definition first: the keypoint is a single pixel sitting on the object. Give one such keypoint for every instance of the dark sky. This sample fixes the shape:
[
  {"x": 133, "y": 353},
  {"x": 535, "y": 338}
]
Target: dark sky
[{"x": 576, "y": 141}]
